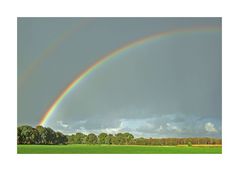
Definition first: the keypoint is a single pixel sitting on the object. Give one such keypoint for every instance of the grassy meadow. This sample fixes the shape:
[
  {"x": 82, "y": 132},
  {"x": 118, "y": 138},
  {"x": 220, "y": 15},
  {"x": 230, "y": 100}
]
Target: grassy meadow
[{"x": 116, "y": 149}]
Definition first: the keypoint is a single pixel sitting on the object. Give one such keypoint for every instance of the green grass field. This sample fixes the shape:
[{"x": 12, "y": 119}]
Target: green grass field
[{"x": 115, "y": 149}]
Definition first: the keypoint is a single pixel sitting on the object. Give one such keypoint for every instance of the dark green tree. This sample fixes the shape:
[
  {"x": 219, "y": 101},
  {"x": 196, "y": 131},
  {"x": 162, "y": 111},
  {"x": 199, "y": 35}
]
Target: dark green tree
[
  {"x": 102, "y": 138},
  {"x": 120, "y": 139},
  {"x": 60, "y": 138},
  {"x": 91, "y": 139},
  {"x": 43, "y": 134},
  {"x": 109, "y": 139},
  {"x": 27, "y": 135},
  {"x": 19, "y": 136},
  {"x": 128, "y": 137},
  {"x": 51, "y": 136},
  {"x": 79, "y": 138}
]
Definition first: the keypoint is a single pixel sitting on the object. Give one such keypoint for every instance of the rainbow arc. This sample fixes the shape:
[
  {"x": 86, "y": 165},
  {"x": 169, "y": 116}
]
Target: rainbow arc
[{"x": 133, "y": 44}]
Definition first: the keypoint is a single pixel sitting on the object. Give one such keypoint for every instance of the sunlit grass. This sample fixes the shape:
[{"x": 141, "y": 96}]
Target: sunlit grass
[{"x": 116, "y": 149}]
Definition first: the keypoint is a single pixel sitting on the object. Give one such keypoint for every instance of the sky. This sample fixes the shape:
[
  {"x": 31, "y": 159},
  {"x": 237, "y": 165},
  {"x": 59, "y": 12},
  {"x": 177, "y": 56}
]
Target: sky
[{"x": 168, "y": 87}]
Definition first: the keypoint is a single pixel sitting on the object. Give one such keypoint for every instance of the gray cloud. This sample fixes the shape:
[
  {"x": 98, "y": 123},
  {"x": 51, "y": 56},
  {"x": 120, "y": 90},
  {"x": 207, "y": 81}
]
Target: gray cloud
[{"x": 167, "y": 125}]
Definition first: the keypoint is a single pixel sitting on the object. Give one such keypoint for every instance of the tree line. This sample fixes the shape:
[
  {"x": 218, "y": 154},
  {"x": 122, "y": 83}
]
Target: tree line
[
  {"x": 39, "y": 135},
  {"x": 45, "y": 135}
]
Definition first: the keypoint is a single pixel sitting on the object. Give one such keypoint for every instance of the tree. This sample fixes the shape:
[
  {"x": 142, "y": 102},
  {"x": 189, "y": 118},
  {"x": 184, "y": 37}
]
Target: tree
[
  {"x": 79, "y": 138},
  {"x": 140, "y": 141},
  {"x": 189, "y": 144},
  {"x": 51, "y": 136},
  {"x": 61, "y": 138},
  {"x": 91, "y": 139},
  {"x": 128, "y": 137},
  {"x": 70, "y": 139},
  {"x": 109, "y": 139},
  {"x": 19, "y": 136},
  {"x": 102, "y": 138},
  {"x": 27, "y": 135},
  {"x": 116, "y": 139},
  {"x": 120, "y": 139},
  {"x": 43, "y": 134}
]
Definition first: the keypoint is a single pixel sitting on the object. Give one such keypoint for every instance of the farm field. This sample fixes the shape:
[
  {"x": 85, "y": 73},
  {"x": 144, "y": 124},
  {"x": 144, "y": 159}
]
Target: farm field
[{"x": 116, "y": 149}]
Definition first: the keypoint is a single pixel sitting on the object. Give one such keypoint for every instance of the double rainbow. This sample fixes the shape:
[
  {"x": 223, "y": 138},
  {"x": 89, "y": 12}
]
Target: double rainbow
[{"x": 58, "y": 101}]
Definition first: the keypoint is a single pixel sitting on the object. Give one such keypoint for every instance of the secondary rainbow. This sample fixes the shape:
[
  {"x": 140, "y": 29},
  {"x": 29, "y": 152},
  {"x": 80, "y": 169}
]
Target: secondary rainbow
[
  {"x": 114, "y": 54},
  {"x": 51, "y": 49}
]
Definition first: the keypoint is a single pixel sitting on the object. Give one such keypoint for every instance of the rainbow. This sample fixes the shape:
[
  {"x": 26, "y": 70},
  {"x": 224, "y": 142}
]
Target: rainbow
[
  {"x": 50, "y": 49},
  {"x": 114, "y": 54}
]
